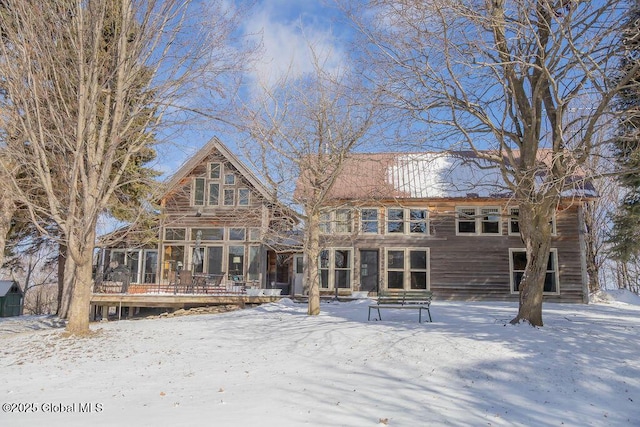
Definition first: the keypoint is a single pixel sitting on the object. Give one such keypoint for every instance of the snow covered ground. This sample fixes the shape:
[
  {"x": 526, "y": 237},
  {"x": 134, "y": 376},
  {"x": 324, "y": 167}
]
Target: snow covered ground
[{"x": 276, "y": 366}]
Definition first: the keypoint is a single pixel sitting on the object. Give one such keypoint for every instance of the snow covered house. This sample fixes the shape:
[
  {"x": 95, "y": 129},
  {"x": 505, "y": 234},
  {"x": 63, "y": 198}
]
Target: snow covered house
[
  {"x": 11, "y": 299},
  {"x": 444, "y": 222}
]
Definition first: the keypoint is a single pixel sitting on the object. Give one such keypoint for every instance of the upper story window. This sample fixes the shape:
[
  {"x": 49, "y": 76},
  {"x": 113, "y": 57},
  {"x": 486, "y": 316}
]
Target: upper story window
[
  {"x": 205, "y": 234},
  {"x": 215, "y": 170},
  {"x": 244, "y": 196},
  {"x": 229, "y": 197},
  {"x": 339, "y": 221},
  {"x": 369, "y": 220},
  {"x": 514, "y": 222},
  {"x": 407, "y": 221},
  {"x": 478, "y": 220},
  {"x": 198, "y": 191},
  {"x": 229, "y": 179}
]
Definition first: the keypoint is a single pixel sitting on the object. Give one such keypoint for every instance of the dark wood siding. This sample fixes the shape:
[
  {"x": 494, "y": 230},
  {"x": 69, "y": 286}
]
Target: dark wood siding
[{"x": 476, "y": 267}]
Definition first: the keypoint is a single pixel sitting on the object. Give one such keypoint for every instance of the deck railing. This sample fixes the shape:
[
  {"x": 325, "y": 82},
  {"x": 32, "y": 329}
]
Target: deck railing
[{"x": 197, "y": 284}]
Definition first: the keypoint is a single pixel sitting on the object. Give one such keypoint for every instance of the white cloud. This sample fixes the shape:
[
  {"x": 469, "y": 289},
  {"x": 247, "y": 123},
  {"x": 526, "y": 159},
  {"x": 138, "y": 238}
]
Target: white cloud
[{"x": 289, "y": 42}]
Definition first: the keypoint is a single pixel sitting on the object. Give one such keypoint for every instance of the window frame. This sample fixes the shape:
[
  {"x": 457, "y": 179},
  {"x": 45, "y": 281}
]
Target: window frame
[
  {"x": 406, "y": 221},
  {"x": 330, "y": 224},
  {"x": 332, "y": 269},
  {"x": 478, "y": 220},
  {"x": 375, "y": 221},
  {"x": 247, "y": 198},
  {"x": 195, "y": 189},
  {"x": 554, "y": 231},
  {"x": 407, "y": 269},
  {"x": 555, "y": 271},
  {"x": 212, "y": 168}
]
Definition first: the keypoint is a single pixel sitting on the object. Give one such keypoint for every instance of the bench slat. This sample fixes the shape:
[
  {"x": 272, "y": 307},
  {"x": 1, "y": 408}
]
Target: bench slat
[{"x": 414, "y": 299}]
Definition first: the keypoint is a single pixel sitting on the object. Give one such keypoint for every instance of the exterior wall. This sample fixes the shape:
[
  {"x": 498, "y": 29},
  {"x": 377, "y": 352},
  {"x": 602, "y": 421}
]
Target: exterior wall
[
  {"x": 180, "y": 213},
  {"x": 472, "y": 267}
]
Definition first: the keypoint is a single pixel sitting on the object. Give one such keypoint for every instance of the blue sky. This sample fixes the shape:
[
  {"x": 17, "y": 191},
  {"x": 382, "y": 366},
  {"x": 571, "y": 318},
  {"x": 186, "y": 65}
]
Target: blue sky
[{"x": 285, "y": 29}]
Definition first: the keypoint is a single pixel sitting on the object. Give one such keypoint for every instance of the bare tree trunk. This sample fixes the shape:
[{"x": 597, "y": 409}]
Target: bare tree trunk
[
  {"x": 7, "y": 209},
  {"x": 591, "y": 247},
  {"x": 313, "y": 255},
  {"x": 535, "y": 229}
]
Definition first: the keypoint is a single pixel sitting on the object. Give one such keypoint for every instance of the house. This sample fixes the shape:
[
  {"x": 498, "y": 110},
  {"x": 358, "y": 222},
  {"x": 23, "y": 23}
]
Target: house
[
  {"x": 11, "y": 298},
  {"x": 444, "y": 222},
  {"x": 215, "y": 219}
]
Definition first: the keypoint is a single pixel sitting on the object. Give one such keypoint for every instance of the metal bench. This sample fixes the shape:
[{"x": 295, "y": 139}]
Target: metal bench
[{"x": 414, "y": 299}]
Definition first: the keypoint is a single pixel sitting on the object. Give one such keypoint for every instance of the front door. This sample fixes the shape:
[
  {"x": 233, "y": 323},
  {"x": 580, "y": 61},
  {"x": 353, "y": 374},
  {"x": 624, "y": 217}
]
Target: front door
[{"x": 369, "y": 270}]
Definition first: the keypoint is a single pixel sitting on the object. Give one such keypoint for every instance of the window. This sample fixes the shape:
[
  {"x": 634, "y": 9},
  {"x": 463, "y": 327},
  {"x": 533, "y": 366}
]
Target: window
[
  {"x": 418, "y": 221},
  {"x": 403, "y": 221},
  {"x": 514, "y": 224},
  {"x": 482, "y": 220},
  {"x": 236, "y": 233},
  {"x": 229, "y": 179},
  {"x": 407, "y": 269},
  {"x": 395, "y": 220},
  {"x": 207, "y": 233},
  {"x": 214, "y": 194},
  {"x": 343, "y": 221},
  {"x": 236, "y": 260},
  {"x": 338, "y": 221},
  {"x": 253, "y": 271},
  {"x": 229, "y": 197},
  {"x": 518, "y": 262},
  {"x": 325, "y": 222},
  {"x": 214, "y": 170},
  {"x": 174, "y": 233},
  {"x": 198, "y": 192},
  {"x": 243, "y": 196},
  {"x": 369, "y": 221},
  {"x": 254, "y": 234},
  {"x": 335, "y": 268}
]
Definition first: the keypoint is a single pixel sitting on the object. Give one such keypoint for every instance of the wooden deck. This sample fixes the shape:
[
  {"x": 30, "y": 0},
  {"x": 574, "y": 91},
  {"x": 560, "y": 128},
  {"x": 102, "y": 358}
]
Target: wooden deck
[{"x": 178, "y": 300}]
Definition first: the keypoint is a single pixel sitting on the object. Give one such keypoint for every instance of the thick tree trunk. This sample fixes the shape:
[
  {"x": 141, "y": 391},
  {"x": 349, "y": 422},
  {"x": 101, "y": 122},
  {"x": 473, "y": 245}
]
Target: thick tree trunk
[
  {"x": 535, "y": 229},
  {"x": 591, "y": 248},
  {"x": 313, "y": 254},
  {"x": 80, "y": 306}
]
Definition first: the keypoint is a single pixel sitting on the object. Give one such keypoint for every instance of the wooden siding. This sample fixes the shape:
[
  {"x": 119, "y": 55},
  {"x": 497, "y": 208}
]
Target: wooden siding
[{"x": 473, "y": 267}]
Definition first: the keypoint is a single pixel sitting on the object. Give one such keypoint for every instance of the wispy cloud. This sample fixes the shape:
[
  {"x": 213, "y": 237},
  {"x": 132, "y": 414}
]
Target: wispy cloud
[{"x": 290, "y": 35}]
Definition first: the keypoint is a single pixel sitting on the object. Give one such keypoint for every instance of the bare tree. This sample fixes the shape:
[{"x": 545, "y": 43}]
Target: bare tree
[
  {"x": 301, "y": 131},
  {"x": 87, "y": 82},
  {"x": 499, "y": 77}
]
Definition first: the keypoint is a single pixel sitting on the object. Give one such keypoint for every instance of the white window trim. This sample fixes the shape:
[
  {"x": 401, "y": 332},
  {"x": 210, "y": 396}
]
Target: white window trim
[
  {"x": 554, "y": 231},
  {"x": 205, "y": 190},
  {"x": 407, "y": 267},
  {"x": 377, "y": 221},
  {"x": 556, "y": 272},
  {"x": 248, "y": 196},
  {"x": 406, "y": 221},
  {"x": 219, "y": 169},
  {"x": 332, "y": 222},
  {"x": 332, "y": 267},
  {"x": 478, "y": 220}
]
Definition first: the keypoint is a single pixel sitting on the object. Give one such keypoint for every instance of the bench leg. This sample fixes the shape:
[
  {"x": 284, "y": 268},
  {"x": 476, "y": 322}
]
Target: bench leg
[{"x": 369, "y": 317}]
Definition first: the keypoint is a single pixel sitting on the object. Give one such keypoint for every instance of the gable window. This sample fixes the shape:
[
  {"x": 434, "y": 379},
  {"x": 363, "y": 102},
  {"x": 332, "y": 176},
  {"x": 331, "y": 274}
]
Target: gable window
[
  {"x": 369, "y": 220},
  {"x": 514, "y": 224},
  {"x": 214, "y": 193},
  {"x": 214, "y": 170},
  {"x": 243, "y": 196},
  {"x": 403, "y": 221},
  {"x": 198, "y": 191},
  {"x": 229, "y": 179},
  {"x": 480, "y": 220},
  {"x": 229, "y": 197},
  {"x": 254, "y": 234},
  {"x": 408, "y": 268},
  {"x": 518, "y": 262}
]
